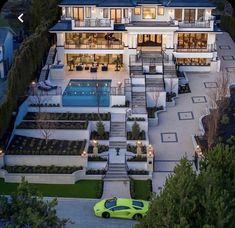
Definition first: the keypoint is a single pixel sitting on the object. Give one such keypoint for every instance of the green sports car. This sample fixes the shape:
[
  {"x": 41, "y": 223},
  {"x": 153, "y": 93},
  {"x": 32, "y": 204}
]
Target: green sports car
[{"x": 121, "y": 208}]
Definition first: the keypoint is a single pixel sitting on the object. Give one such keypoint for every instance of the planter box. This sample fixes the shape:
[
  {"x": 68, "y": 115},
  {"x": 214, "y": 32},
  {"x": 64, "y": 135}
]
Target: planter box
[
  {"x": 45, "y": 160},
  {"x": 45, "y": 178},
  {"x": 96, "y": 165},
  {"x": 137, "y": 165}
]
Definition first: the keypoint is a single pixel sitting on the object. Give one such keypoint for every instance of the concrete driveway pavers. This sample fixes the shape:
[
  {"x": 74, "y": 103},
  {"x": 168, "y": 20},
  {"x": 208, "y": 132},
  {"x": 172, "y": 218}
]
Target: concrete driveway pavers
[{"x": 80, "y": 211}]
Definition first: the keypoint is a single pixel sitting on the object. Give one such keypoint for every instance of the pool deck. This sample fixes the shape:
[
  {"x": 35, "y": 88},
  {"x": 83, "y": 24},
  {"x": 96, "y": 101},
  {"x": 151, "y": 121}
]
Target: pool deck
[{"x": 111, "y": 74}]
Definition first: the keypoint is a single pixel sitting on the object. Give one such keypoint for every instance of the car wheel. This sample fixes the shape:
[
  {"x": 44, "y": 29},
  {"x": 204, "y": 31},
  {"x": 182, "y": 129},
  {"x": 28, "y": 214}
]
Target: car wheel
[
  {"x": 137, "y": 216},
  {"x": 106, "y": 215}
]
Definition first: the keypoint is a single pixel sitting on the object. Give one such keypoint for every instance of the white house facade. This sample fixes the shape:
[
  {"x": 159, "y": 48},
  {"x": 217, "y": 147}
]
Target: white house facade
[{"x": 178, "y": 32}]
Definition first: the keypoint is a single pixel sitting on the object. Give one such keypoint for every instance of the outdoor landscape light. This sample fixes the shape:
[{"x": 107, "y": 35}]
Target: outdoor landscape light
[
  {"x": 84, "y": 153},
  {"x": 1, "y": 151}
]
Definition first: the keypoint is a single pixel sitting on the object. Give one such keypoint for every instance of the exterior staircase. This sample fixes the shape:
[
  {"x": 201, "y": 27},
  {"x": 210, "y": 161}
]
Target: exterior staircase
[
  {"x": 118, "y": 131},
  {"x": 139, "y": 102},
  {"x": 116, "y": 172}
]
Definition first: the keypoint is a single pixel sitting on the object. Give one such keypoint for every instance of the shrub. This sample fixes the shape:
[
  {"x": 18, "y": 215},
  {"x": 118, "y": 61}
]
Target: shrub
[
  {"x": 225, "y": 119},
  {"x": 137, "y": 172},
  {"x": 96, "y": 158},
  {"x": 101, "y": 148},
  {"x": 135, "y": 130},
  {"x": 100, "y": 128},
  {"x": 138, "y": 158},
  {"x": 96, "y": 172},
  {"x": 133, "y": 148},
  {"x": 42, "y": 169}
]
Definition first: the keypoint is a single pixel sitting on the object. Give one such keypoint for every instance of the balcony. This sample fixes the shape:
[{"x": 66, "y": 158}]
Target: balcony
[
  {"x": 207, "y": 48},
  {"x": 95, "y": 45},
  {"x": 91, "y": 24},
  {"x": 196, "y": 24}
]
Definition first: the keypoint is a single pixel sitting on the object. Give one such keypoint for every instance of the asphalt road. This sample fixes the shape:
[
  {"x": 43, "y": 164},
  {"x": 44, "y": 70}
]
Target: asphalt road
[{"x": 80, "y": 211}]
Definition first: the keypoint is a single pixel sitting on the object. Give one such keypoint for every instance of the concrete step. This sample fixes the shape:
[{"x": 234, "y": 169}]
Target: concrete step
[
  {"x": 117, "y": 144},
  {"x": 116, "y": 179}
]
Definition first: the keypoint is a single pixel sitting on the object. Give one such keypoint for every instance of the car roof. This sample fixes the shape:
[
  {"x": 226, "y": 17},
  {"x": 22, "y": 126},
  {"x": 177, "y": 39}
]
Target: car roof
[{"x": 126, "y": 202}]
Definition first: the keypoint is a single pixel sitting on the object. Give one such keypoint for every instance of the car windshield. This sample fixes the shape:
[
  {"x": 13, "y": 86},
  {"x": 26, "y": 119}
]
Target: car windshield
[
  {"x": 110, "y": 203},
  {"x": 137, "y": 203}
]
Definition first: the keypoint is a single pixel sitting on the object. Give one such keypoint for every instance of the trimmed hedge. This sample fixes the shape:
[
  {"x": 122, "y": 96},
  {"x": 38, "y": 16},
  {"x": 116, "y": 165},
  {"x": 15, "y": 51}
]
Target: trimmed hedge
[
  {"x": 54, "y": 125},
  {"x": 22, "y": 145},
  {"x": 43, "y": 169},
  {"x": 101, "y": 148},
  {"x": 96, "y": 158},
  {"x": 71, "y": 116},
  {"x": 137, "y": 172},
  {"x": 141, "y": 136},
  {"x": 133, "y": 149},
  {"x": 137, "y": 158},
  {"x": 96, "y": 172}
]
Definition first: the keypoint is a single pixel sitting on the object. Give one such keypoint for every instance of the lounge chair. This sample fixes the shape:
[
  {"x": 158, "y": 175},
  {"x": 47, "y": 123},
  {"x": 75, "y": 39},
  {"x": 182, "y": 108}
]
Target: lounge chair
[
  {"x": 48, "y": 83},
  {"x": 44, "y": 87}
]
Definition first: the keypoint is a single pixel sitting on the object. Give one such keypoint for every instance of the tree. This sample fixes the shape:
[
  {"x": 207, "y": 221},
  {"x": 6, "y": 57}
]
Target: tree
[
  {"x": 45, "y": 124},
  {"x": 191, "y": 200},
  {"x": 135, "y": 130},
  {"x": 100, "y": 129},
  {"x": 155, "y": 96},
  {"x": 218, "y": 102},
  {"x": 26, "y": 208}
]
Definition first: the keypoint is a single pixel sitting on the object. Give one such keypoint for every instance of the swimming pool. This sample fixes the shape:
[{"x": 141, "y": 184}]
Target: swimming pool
[{"x": 87, "y": 93}]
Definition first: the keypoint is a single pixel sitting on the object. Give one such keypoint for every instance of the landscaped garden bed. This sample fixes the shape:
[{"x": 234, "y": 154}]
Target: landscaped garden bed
[
  {"x": 140, "y": 136},
  {"x": 141, "y": 189},
  {"x": 81, "y": 189},
  {"x": 136, "y": 133},
  {"x": 22, "y": 145},
  {"x": 96, "y": 172},
  {"x": 45, "y": 105},
  {"x": 226, "y": 124},
  {"x": 136, "y": 119},
  {"x": 151, "y": 111},
  {"x": 170, "y": 96},
  {"x": 184, "y": 89},
  {"x": 71, "y": 116},
  {"x": 53, "y": 125},
  {"x": 96, "y": 136},
  {"x": 126, "y": 105},
  {"x": 137, "y": 158},
  {"x": 43, "y": 169},
  {"x": 137, "y": 172},
  {"x": 96, "y": 159},
  {"x": 101, "y": 148},
  {"x": 133, "y": 149}
]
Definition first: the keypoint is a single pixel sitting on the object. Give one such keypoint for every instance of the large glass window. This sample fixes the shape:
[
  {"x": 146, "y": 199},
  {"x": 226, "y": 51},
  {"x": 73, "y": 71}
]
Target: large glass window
[
  {"x": 137, "y": 11},
  {"x": 149, "y": 13},
  {"x": 192, "y": 40},
  {"x": 78, "y": 13},
  {"x": 105, "y": 13},
  {"x": 160, "y": 10},
  {"x": 193, "y": 61},
  {"x": 116, "y": 15},
  {"x": 88, "y": 12},
  {"x": 178, "y": 14},
  {"x": 149, "y": 40},
  {"x": 125, "y": 13},
  {"x": 200, "y": 14},
  {"x": 189, "y": 15}
]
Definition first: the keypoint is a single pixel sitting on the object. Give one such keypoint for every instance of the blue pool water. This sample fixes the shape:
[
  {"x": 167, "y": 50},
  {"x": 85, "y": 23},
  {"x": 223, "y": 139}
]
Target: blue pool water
[{"x": 87, "y": 93}]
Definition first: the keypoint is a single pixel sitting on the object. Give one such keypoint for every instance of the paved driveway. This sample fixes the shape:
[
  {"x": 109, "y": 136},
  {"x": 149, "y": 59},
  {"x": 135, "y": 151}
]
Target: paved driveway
[
  {"x": 80, "y": 211},
  {"x": 172, "y": 137}
]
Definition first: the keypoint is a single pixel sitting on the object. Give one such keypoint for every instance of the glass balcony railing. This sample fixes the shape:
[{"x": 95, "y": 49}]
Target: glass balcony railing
[
  {"x": 194, "y": 24},
  {"x": 94, "y": 23},
  {"x": 207, "y": 48},
  {"x": 97, "y": 45}
]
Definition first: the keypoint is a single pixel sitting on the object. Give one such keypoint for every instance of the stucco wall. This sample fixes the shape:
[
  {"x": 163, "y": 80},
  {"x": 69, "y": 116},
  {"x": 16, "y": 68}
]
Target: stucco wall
[{"x": 45, "y": 160}]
